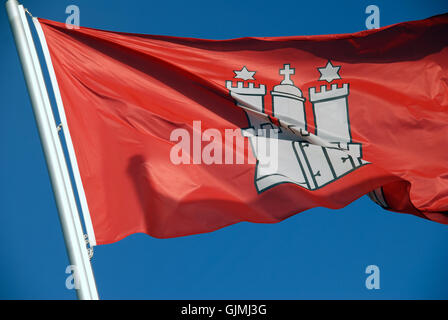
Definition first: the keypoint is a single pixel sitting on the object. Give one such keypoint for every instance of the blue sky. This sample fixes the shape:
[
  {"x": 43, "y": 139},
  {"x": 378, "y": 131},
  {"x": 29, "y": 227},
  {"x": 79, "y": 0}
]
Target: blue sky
[{"x": 318, "y": 254}]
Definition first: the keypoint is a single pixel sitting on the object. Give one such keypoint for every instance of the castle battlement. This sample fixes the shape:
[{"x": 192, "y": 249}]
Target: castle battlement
[
  {"x": 246, "y": 88},
  {"x": 324, "y": 94}
]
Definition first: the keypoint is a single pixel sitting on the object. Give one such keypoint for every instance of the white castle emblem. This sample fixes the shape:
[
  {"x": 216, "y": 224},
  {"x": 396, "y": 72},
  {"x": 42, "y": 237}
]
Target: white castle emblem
[{"x": 300, "y": 160}]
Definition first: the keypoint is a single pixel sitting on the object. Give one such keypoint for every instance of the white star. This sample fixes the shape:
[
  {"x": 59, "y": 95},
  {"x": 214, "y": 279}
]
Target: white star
[
  {"x": 244, "y": 74},
  {"x": 330, "y": 72}
]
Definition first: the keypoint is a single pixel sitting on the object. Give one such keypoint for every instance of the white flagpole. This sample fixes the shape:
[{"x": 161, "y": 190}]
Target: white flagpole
[{"x": 54, "y": 155}]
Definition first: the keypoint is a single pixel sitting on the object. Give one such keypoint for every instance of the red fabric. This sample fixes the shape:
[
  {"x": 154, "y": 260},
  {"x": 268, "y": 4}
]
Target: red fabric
[{"x": 125, "y": 93}]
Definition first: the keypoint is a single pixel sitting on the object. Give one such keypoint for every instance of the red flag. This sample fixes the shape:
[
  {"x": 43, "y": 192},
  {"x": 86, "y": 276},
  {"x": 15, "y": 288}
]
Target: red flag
[{"x": 168, "y": 132}]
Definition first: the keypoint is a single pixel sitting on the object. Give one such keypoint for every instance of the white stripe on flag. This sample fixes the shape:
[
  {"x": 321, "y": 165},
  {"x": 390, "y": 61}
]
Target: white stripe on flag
[{"x": 68, "y": 139}]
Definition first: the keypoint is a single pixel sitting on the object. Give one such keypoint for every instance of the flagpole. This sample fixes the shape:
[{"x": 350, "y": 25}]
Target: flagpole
[{"x": 54, "y": 155}]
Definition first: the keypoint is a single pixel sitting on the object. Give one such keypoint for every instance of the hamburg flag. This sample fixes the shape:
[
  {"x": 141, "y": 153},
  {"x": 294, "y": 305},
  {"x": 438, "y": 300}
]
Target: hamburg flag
[{"x": 177, "y": 136}]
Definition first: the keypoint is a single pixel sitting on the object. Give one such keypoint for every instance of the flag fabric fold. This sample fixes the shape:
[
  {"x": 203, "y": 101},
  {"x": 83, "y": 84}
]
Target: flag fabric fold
[{"x": 170, "y": 133}]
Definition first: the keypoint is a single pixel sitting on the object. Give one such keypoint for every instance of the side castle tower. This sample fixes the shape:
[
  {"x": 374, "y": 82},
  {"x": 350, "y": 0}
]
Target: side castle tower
[{"x": 295, "y": 160}]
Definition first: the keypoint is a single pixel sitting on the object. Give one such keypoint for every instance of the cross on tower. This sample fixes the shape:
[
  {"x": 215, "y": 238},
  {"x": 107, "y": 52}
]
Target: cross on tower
[{"x": 287, "y": 72}]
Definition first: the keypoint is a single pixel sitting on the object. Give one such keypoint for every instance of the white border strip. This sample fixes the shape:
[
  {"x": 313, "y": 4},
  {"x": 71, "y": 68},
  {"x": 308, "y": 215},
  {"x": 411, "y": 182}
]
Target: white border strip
[{"x": 68, "y": 139}]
